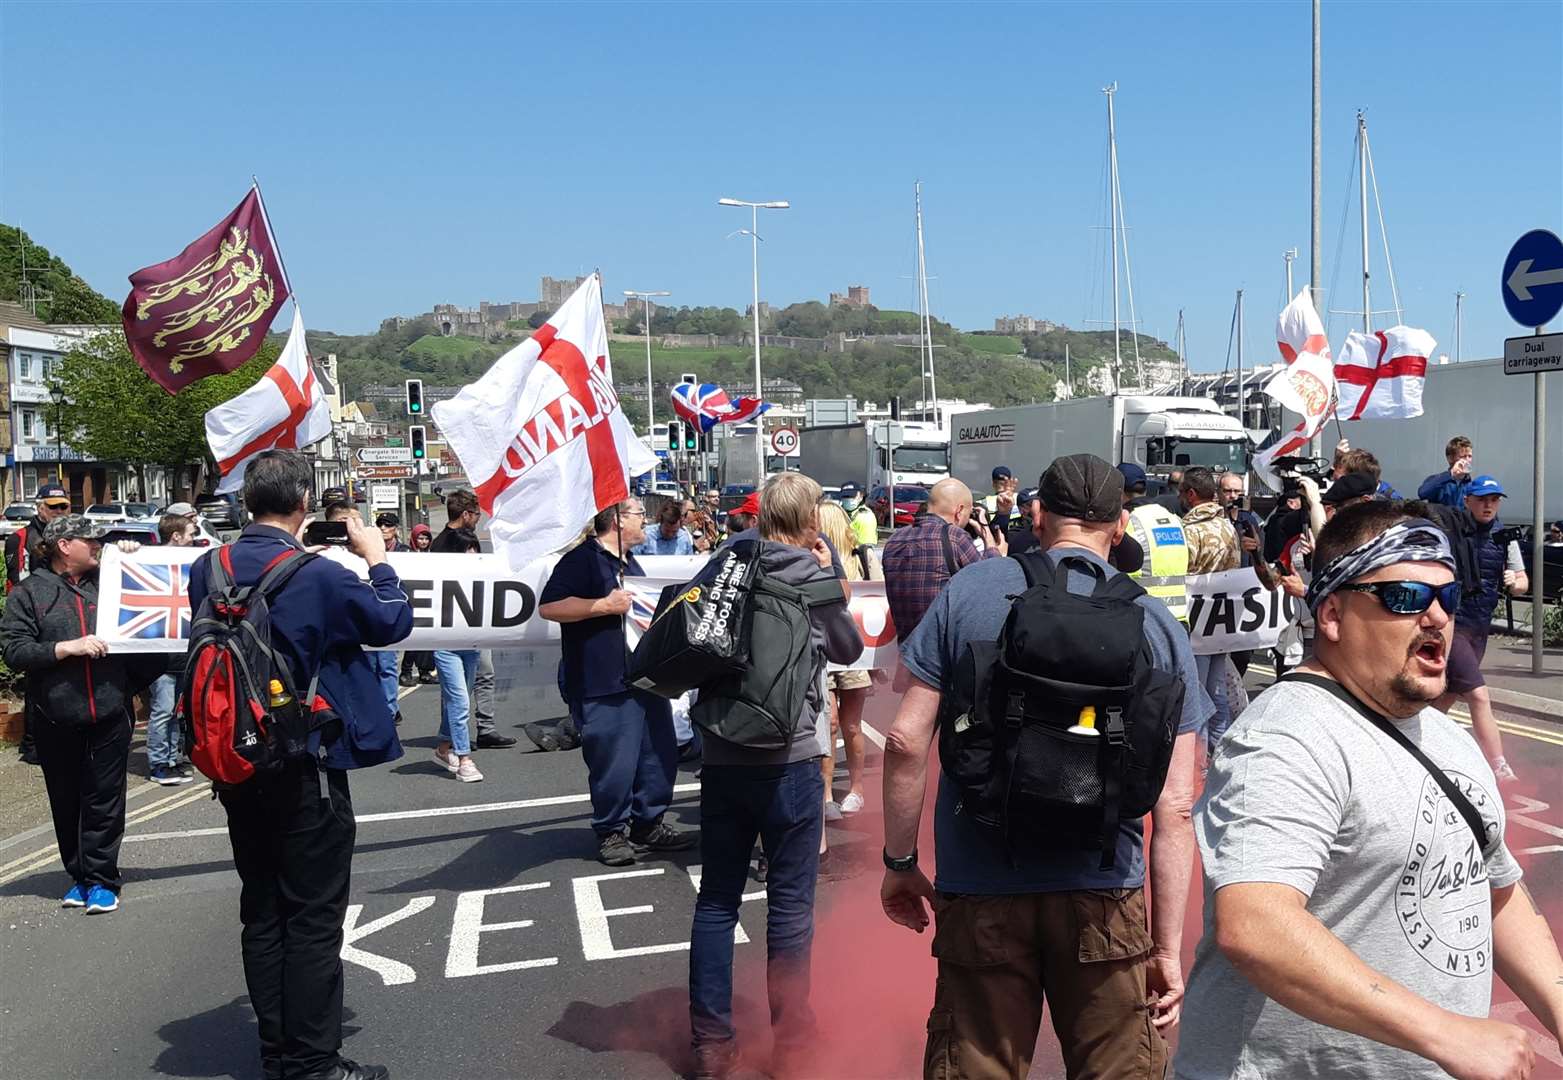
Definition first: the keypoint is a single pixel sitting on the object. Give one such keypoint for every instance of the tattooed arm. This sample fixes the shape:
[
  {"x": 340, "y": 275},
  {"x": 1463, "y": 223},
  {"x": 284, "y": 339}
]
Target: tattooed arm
[{"x": 1525, "y": 955}]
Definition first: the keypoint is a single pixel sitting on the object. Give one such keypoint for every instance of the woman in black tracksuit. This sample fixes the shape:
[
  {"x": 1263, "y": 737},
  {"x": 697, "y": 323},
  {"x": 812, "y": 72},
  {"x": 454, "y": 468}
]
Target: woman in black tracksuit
[{"x": 78, "y": 704}]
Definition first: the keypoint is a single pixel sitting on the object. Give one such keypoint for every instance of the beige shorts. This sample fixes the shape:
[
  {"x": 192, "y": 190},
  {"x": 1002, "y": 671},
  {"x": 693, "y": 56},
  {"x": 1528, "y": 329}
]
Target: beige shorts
[{"x": 850, "y": 680}]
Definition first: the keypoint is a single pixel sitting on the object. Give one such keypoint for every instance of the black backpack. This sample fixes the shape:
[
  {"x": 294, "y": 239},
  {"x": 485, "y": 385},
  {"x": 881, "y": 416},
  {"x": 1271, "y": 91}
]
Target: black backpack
[
  {"x": 237, "y": 703},
  {"x": 1014, "y": 732}
]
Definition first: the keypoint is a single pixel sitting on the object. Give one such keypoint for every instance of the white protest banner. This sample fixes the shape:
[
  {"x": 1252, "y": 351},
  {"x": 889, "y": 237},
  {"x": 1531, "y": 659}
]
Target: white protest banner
[
  {"x": 1231, "y": 611},
  {"x": 458, "y": 601}
]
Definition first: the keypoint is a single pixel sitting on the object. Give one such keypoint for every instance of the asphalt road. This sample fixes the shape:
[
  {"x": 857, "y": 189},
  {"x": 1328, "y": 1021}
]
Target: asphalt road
[{"x": 485, "y": 941}]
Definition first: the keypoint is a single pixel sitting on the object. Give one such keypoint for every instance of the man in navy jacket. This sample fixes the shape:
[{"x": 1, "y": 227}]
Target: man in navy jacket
[{"x": 292, "y": 831}]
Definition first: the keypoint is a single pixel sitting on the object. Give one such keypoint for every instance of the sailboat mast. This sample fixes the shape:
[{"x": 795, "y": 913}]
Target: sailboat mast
[
  {"x": 922, "y": 299},
  {"x": 1241, "y": 411},
  {"x": 1183, "y": 357},
  {"x": 1112, "y": 166},
  {"x": 1362, "y": 168}
]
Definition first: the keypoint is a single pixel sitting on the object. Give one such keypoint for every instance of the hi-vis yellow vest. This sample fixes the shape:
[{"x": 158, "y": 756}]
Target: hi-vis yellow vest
[{"x": 1160, "y": 533}]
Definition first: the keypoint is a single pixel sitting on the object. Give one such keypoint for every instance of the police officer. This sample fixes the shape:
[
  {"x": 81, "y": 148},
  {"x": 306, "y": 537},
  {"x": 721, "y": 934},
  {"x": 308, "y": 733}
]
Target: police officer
[
  {"x": 865, "y": 526},
  {"x": 1160, "y": 533}
]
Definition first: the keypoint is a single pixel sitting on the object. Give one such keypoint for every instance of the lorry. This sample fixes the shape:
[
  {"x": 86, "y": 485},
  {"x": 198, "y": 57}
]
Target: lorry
[
  {"x": 1157, "y": 432},
  {"x": 849, "y": 453}
]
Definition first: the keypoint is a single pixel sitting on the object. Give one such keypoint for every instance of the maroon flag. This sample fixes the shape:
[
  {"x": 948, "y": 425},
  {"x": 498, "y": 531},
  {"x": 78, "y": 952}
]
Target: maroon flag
[{"x": 206, "y": 310}]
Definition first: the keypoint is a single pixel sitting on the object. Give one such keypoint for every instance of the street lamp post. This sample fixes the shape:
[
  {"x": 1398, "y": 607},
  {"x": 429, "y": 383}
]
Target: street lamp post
[
  {"x": 645, "y": 297},
  {"x": 759, "y": 387},
  {"x": 57, "y": 395}
]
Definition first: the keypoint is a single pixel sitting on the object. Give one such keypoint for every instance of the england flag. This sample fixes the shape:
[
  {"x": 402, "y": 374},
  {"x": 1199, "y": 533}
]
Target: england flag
[
  {"x": 1380, "y": 375},
  {"x": 542, "y": 434}
]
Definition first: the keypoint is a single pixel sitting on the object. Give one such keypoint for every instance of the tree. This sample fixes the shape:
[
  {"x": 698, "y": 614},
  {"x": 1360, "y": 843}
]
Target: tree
[
  {"x": 538, "y": 319},
  {"x": 116, "y": 413},
  {"x": 62, "y": 296}
]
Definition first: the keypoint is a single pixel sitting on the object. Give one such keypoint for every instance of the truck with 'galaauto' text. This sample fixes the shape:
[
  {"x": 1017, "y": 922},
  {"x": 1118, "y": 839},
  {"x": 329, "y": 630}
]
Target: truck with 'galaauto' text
[{"x": 1157, "y": 432}]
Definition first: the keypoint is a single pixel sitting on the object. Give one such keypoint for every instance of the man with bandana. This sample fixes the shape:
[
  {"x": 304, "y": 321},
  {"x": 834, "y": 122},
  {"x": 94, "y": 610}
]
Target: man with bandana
[{"x": 1358, "y": 892}]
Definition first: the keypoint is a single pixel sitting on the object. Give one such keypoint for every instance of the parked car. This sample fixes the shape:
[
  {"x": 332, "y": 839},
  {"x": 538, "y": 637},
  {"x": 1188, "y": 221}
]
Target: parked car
[
  {"x": 16, "y": 515},
  {"x": 145, "y": 533},
  {"x": 143, "y": 511},
  {"x": 108, "y": 513},
  {"x": 220, "y": 511},
  {"x": 910, "y": 501}
]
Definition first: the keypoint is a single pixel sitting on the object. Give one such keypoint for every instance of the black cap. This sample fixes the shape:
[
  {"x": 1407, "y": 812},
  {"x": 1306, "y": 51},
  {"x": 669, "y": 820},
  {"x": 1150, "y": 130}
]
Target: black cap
[
  {"x": 1002, "y": 472},
  {"x": 1353, "y": 485},
  {"x": 1027, "y": 496},
  {"x": 387, "y": 519},
  {"x": 1083, "y": 486},
  {"x": 1133, "y": 476}
]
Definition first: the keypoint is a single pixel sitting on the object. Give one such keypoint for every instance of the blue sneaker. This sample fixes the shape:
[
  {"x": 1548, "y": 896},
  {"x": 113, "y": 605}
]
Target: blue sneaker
[
  {"x": 100, "y": 899},
  {"x": 77, "y": 897}
]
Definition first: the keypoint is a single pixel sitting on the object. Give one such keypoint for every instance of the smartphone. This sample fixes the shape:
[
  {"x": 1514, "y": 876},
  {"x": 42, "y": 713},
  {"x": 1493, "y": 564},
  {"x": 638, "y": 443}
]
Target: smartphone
[{"x": 325, "y": 532}]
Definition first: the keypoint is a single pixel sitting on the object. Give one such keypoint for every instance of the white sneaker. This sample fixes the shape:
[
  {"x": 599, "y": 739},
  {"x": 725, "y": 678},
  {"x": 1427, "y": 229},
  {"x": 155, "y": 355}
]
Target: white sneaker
[
  {"x": 852, "y": 803},
  {"x": 832, "y": 811},
  {"x": 468, "y": 773},
  {"x": 447, "y": 758},
  {"x": 1502, "y": 772}
]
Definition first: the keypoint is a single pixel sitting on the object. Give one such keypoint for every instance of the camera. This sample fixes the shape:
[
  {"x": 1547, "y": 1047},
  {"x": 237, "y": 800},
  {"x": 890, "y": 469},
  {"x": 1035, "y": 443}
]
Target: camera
[
  {"x": 1514, "y": 534},
  {"x": 1291, "y": 469}
]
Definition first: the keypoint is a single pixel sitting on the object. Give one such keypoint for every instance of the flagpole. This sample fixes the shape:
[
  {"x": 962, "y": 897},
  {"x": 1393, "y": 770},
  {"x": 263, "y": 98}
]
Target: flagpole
[{"x": 276, "y": 250}]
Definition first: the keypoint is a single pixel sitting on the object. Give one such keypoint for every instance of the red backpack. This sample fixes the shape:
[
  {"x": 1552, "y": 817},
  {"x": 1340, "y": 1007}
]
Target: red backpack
[{"x": 237, "y": 703}]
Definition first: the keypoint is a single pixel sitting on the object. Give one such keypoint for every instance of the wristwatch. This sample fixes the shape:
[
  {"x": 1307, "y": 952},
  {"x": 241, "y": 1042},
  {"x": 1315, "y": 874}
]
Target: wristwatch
[{"x": 904, "y": 865}]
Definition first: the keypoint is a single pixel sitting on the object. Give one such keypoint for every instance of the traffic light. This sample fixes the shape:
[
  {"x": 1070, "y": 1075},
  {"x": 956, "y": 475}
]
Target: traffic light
[
  {"x": 415, "y": 440},
  {"x": 691, "y": 439},
  {"x": 705, "y": 441},
  {"x": 675, "y": 435},
  {"x": 414, "y": 397}
]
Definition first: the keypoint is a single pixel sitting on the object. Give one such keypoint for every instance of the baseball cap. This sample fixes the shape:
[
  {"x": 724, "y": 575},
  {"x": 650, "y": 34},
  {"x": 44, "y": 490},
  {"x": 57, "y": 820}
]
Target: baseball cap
[
  {"x": 751, "y": 505},
  {"x": 1487, "y": 485},
  {"x": 1351, "y": 486},
  {"x": 387, "y": 519},
  {"x": 1133, "y": 476},
  {"x": 849, "y": 489},
  {"x": 73, "y": 527},
  {"x": 1083, "y": 486},
  {"x": 51, "y": 492},
  {"x": 1002, "y": 472},
  {"x": 1027, "y": 496},
  {"x": 183, "y": 509}
]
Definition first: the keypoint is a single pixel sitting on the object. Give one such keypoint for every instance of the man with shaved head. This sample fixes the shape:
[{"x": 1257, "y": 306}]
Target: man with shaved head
[{"x": 919, "y": 559}]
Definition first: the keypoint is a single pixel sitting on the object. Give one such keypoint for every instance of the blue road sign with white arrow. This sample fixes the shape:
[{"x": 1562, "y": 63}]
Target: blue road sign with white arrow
[{"x": 1533, "y": 278}]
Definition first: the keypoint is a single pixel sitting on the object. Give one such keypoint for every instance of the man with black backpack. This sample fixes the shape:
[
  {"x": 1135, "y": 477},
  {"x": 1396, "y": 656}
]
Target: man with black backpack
[
  {"x": 1066, "y": 706},
  {"x": 765, "y": 731},
  {"x": 291, "y": 822},
  {"x": 1358, "y": 891}
]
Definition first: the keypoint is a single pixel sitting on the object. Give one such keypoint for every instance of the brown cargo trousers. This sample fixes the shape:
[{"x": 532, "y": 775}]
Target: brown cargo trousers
[{"x": 999, "y": 956}]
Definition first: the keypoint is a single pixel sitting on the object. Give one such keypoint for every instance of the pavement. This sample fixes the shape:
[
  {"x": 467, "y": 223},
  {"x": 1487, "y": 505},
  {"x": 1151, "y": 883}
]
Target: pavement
[{"x": 484, "y": 940}]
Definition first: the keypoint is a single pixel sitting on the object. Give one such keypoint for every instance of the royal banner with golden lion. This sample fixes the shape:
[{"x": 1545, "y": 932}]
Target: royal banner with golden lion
[{"x": 207, "y": 310}]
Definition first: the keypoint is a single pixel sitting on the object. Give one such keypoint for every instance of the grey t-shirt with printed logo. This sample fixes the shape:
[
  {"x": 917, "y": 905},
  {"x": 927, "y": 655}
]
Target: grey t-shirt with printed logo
[{"x": 1305, "y": 791}]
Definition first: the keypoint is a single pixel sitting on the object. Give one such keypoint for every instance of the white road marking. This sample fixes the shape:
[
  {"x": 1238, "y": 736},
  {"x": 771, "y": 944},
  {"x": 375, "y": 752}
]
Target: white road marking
[
  {"x": 391, "y": 972},
  {"x": 596, "y": 938},
  {"x": 468, "y": 926},
  {"x": 873, "y": 734}
]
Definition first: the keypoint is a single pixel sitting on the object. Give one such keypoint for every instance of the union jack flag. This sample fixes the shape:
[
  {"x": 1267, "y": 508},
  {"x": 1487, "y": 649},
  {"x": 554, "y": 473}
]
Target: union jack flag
[
  {"x": 643, "y": 607},
  {"x": 702, "y": 406},
  {"x": 744, "y": 410},
  {"x": 154, "y": 600}
]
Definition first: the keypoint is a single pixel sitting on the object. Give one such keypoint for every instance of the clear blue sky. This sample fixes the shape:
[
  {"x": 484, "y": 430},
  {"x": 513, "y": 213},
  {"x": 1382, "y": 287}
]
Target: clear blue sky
[{"x": 414, "y": 154}]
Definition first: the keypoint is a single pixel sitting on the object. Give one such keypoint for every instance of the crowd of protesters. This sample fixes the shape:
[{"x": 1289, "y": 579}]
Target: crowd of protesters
[{"x": 1312, "y": 792}]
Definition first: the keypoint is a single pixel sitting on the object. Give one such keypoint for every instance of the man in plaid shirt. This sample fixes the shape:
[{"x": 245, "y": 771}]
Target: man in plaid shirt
[{"x": 920, "y": 558}]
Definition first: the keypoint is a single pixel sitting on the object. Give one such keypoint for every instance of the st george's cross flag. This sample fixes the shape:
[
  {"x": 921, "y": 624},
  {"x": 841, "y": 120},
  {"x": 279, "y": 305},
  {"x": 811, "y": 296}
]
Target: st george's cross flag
[
  {"x": 1299, "y": 332},
  {"x": 207, "y": 310},
  {"x": 285, "y": 410},
  {"x": 1380, "y": 375},
  {"x": 542, "y": 434}
]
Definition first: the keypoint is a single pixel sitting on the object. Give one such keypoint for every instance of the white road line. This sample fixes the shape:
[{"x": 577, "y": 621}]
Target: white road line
[
  {"x": 873, "y": 734},
  {"x": 408, "y": 815}
]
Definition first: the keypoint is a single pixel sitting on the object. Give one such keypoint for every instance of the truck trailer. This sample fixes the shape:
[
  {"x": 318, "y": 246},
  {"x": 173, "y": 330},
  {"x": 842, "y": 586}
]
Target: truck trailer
[{"x": 836, "y": 454}]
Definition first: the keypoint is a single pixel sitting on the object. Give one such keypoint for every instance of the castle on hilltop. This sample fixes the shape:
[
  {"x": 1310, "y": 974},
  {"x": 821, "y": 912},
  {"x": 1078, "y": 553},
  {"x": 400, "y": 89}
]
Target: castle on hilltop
[{"x": 489, "y": 320}]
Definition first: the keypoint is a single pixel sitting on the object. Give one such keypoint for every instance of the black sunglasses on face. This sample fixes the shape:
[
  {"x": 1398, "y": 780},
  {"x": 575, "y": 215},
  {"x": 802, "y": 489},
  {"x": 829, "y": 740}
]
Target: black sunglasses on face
[{"x": 1411, "y": 597}]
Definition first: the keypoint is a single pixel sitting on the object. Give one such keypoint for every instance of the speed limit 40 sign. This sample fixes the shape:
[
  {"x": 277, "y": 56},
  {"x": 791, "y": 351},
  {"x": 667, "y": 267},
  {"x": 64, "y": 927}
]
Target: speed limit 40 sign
[{"x": 784, "y": 441}]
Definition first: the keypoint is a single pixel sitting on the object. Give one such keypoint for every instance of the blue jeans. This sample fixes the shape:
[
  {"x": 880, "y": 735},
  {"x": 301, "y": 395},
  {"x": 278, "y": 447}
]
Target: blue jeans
[
  {"x": 631, "y": 758},
  {"x": 457, "y": 670},
  {"x": 1212, "y": 673},
  {"x": 784, "y": 806},
  {"x": 384, "y": 665},
  {"x": 163, "y": 737}
]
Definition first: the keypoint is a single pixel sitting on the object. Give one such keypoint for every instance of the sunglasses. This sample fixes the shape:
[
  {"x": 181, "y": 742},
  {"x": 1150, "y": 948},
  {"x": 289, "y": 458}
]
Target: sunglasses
[
  {"x": 58, "y": 505},
  {"x": 1411, "y": 597}
]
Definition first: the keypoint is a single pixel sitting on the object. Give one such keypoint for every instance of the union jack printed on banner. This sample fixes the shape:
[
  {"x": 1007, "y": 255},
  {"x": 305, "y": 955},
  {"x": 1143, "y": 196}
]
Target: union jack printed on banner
[
  {"x": 702, "y": 406},
  {"x": 154, "y": 600},
  {"x": 643, "y": 608}
]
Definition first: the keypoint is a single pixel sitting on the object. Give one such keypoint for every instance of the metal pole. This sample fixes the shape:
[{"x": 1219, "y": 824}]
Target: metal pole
[
  {"x": 1537, "y": 565},
  {"x": 59, "y": 451},
  {"x": 1242, "y": 411},
  {"x": 1112, "y": 166},
  {"x": 759, "y": 387},
  {"x": 922, "y": 292},
  {"x": 1315, "y": 253},
  {"x": 1362, "y": 165},
  {"x": 1459, "y": 299},
  {"x": 651, "y": 423},
  {"x": 1289, "y": 254},
  {"x": 1066, "y": 368}
]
